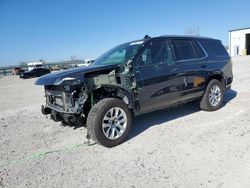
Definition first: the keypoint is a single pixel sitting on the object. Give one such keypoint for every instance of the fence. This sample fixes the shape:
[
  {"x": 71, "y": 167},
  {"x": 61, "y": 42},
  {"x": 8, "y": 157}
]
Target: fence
[{"x": 5, "y": 71}]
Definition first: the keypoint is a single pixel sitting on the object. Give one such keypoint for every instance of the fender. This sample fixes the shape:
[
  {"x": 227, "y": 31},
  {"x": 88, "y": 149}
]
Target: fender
[
  {"x": 217, "y": 74},
  {"x": 126, "y": 92}
]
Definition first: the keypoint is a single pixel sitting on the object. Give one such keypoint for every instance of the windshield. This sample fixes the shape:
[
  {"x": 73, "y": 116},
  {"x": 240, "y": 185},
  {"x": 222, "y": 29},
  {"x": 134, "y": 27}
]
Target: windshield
[{"x": 119, "y": 54}]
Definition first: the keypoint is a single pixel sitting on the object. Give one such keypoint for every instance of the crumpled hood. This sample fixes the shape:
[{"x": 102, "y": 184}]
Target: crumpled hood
[{"x": 65, "y": 76}]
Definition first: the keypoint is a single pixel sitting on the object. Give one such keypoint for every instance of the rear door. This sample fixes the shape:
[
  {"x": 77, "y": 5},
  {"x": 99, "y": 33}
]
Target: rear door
[{"x": 191, "y": 61}]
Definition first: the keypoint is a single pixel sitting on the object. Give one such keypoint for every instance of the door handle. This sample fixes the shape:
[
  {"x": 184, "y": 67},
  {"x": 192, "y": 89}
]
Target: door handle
[{"x": 204, "y": 66}]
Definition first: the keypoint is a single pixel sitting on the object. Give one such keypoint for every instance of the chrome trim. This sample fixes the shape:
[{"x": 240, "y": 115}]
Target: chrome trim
[{"x": 203, "y": 49}]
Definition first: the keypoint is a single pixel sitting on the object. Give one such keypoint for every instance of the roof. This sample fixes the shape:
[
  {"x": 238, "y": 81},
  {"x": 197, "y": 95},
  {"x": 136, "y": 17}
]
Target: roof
[
  {"x": 185, "y": 36},
  {"x": 143, "y": 40},
  {"x": 172, "y": 36},
  {"x": 239, "y": 29}
]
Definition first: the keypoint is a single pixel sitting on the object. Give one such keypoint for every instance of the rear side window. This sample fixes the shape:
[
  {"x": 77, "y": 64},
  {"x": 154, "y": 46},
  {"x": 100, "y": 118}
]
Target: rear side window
[
  {"x": 183, "y": 49},
  {"x": 214, "y": 48},
  {"x": 198, "y": 50}
]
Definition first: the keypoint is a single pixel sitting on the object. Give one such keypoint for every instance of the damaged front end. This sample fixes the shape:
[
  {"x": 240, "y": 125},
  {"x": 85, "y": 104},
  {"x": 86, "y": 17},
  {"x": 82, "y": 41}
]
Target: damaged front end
[
  {"x": 66, "y": 95},
  {"x": 65, "y": 103},
  {"x": 70, "y": 95}
]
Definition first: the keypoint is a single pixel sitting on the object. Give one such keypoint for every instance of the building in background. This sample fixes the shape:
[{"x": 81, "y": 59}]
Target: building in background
[{"x": 239, "y": 42}]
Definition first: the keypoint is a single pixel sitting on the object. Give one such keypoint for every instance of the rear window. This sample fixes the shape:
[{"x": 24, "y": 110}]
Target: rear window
[{"x": 214, "y": 48}]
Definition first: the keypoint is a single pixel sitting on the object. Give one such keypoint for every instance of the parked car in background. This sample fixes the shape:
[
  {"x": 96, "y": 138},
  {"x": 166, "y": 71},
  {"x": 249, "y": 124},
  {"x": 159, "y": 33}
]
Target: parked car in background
[
  {"x": 82, "y": 65},
  {"x": 135, "y": 78},
  {"x": 55, "y": 67},
  {"x": 86, "y": 63},
  {"x": 34, "y": 65},
  {"x": 37, "y": 72},
  {"x": 17, "y": 70}
]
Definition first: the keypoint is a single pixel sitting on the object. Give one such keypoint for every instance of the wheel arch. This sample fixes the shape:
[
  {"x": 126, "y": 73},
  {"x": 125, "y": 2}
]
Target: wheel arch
[
  {"x": 217, "y": 75},
  {"x": 119, "y": 92}
]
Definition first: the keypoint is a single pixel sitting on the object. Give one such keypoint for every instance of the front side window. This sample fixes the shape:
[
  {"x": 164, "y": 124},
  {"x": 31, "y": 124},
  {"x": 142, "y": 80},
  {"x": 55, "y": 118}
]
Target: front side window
[
  {"x": 155, "y": 52},
  {"x": 183, "y": 49},
  {"x": 119, "y": 55}
]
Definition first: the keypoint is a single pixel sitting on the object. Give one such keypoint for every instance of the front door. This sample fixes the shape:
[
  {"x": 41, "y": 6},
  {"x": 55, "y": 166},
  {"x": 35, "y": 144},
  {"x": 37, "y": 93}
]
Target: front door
[{"x": 157, "y": 76}]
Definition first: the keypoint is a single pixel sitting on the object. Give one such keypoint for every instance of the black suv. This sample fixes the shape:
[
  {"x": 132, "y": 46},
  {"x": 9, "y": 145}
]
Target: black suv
[
  {"x": 36, "y": 72},
  {"x": 138, "y": 77}
]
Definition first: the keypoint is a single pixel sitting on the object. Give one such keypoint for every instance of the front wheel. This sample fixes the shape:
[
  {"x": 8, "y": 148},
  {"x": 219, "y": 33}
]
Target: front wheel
[
  {"x": 213, "y": 97},
  {"x": 109, "y": 122}
]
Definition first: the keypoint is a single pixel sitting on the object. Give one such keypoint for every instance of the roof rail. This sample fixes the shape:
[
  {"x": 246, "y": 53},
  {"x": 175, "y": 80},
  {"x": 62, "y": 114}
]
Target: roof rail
[{"x": 146, "y": 37}]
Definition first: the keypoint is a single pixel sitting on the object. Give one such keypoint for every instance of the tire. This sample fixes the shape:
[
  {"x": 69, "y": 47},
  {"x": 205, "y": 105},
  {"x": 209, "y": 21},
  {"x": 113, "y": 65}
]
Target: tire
[
  {"x": 206, "y": 103},
  {"x": 102, "y": 129}
]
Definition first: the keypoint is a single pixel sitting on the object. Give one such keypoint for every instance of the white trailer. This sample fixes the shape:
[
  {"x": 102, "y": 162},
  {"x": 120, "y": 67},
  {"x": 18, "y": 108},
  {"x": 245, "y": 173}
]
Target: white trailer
[{"x": 34, "y": 65}]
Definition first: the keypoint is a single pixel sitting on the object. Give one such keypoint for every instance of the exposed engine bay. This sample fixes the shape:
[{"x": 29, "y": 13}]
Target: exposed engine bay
[{"x": 70, "y": 103}]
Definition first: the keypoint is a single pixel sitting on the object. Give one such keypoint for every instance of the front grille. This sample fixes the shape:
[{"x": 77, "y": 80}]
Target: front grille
[
  {"x": 55, "y": 98},
  {"x": 61, "y": 101},
  {"x": 58, "y": 101}
]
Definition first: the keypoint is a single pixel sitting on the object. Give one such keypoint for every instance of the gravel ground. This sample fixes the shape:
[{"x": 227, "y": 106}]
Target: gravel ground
[{"x": 176, "y": 147}]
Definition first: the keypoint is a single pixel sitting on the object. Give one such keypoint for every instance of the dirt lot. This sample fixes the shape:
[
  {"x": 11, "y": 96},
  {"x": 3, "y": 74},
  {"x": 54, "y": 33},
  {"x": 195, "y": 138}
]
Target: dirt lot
[{"x": 177, "y": 147}]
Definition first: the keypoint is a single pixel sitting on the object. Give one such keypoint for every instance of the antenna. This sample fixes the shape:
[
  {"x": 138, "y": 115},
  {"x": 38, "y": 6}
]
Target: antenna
[{"x": 146, "y": 37}]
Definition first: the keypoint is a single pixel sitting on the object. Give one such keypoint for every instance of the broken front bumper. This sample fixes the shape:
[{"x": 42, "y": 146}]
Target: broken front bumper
[
  {"x": 63, "y": 102},
  {"x": 64, "y": 117},
  {"x": 64, "y": 106}
]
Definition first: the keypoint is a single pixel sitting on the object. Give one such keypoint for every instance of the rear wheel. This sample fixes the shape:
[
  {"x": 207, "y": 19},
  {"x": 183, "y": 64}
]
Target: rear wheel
[
  {"x": 213, "y": 97},
  {"x": 109, "y": 122}
]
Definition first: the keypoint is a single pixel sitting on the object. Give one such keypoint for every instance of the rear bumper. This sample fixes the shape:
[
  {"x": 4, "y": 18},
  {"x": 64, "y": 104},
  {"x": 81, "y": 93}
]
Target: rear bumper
[
  {"x": 229, "y": 82},
  {"x": 228, "y": 87}
]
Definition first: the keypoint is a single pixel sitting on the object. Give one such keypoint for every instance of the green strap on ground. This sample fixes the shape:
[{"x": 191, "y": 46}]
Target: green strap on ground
[{"x": 44, "y": 154}]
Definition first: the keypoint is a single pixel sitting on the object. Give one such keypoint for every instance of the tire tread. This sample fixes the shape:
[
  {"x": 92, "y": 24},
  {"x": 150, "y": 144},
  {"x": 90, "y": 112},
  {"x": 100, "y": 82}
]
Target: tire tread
[
  {"x": 204, "y": 103},
  {"x": 94, "y": 116}
]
